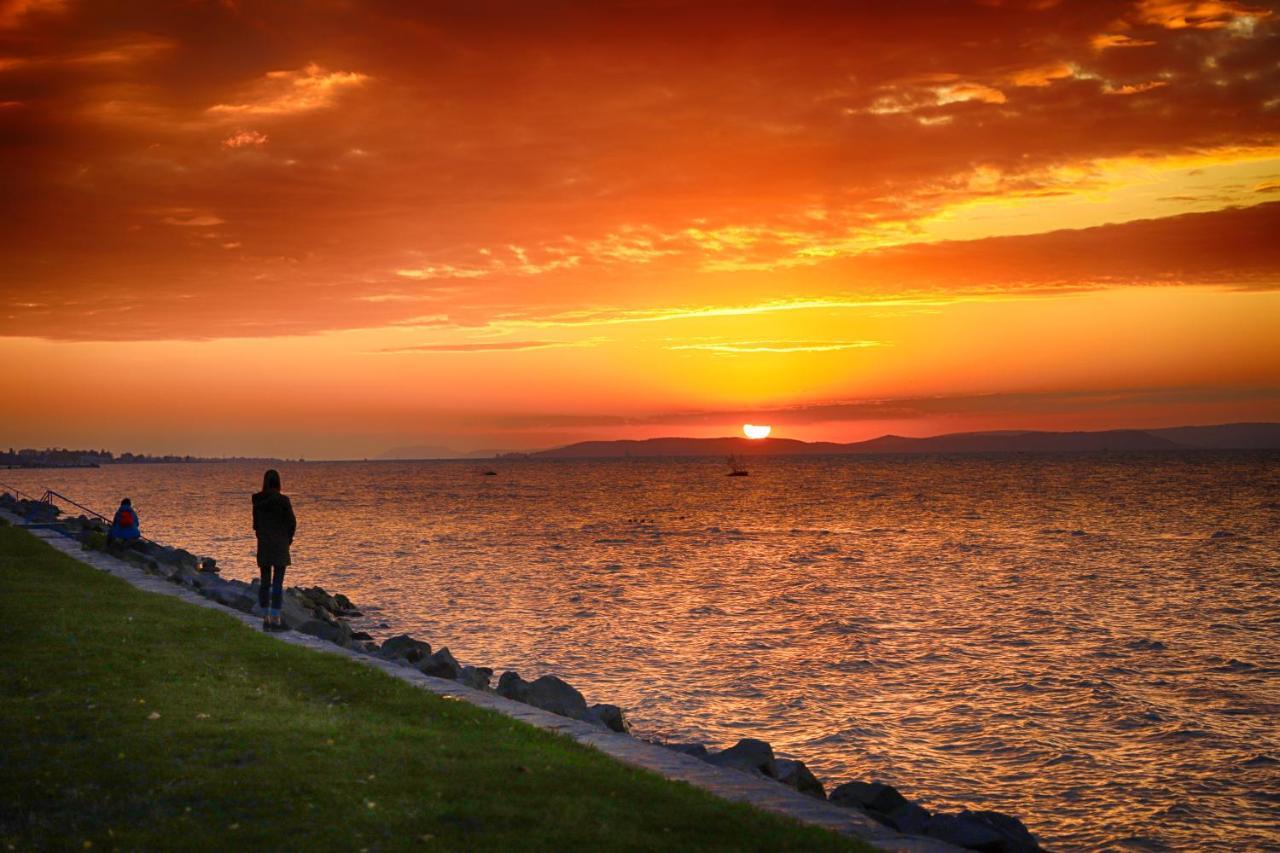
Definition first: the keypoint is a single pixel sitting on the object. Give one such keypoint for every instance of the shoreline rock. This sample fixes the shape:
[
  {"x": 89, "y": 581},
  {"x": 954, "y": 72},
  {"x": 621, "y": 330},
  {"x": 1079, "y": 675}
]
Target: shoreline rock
[
  {"x": 612, "y": 717},
  {"x": 441, "y": 664},
  {"x": 406, "y": 648},
  {"x": 796, "y": 775},
  {"x": 476, "y": 677},
  {"x": 749, "y": 755}
]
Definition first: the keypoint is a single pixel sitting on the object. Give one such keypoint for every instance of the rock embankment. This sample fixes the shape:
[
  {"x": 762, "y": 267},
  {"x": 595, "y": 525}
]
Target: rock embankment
[{"x": 326, "y": 615}]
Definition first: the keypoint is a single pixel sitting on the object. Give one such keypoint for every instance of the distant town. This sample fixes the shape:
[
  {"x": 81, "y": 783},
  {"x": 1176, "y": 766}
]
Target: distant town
[{"x": 61, "y": 457}]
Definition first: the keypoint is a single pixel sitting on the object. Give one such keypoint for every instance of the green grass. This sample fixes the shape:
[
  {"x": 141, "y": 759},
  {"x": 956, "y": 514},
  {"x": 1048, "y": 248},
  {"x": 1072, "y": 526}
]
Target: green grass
[{"x": 132, "y": 720}]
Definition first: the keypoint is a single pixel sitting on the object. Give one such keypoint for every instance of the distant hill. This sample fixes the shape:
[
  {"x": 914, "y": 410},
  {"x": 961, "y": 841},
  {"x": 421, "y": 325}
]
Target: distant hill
[
  {"x": 1225, "y": 436},
  {"x": 1259, "y": 436}
]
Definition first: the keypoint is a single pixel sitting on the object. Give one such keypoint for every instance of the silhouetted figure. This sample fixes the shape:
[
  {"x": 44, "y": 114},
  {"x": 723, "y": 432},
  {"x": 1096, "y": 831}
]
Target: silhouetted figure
[
  {"x": 274, "y": 524},
  {"x": 124, "y": 526}
]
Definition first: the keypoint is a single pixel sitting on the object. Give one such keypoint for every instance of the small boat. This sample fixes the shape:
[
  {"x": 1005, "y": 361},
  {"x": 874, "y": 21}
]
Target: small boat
[{"x": 736, "y": 469}]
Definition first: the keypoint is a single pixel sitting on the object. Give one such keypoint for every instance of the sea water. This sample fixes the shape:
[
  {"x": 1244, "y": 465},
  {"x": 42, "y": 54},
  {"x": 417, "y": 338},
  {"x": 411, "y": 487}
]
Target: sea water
[{"x": 1089, "y": 642}]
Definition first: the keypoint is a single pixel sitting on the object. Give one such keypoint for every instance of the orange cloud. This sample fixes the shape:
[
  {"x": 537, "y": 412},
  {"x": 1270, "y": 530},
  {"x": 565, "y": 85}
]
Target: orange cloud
[
  {"x": 1196, "y": 14},
  {"x": 1134, "y": 88},
  {"x": 191, "y": 218},
  {"x": 245, "y": 139},
  {"x": 1041, "y": 75},
  {"x": 289, "y": 92}
]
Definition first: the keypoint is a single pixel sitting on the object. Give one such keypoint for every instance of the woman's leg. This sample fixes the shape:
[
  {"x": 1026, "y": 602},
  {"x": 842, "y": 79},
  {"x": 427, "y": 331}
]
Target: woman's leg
[
  {"x": 264, "y": 587},
  {"x": 277, "y": 590}
]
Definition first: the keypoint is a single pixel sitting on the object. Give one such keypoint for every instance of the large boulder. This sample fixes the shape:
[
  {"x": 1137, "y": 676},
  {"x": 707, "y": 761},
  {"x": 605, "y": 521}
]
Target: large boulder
[
  {"x": 868, "y": 796},
  {"x": 611, "y": 717},
  {"x": 442, "y": 664},
  {"x": 318, "y": 598},
  {"x": 988, "y": 832},
  {"x": 179, "y": 557},
  {"x": 552, "y": 694},
  {"x": 748, "y": 755},
  {"x": 404, "y": 647},
  {"x": 911, "y": 818},
  {"x": 336, "y": 604},
  {"x": 344, "y": 634},
  {"x": 185, "y": 575},
  {"x": 208, "y": 585},
  {"x": 295, "y": 611},
  {"x": 234, "y": 596},
  {"x": 339, "y": 634},
  {"x": 798, "y": 776},
  {"x": 884, "y": 803},
  {"x": 513, "y": 687},
  {"x": 476, "y": 677},
  {"x": 203, "y": 581},
  {"x": 315, "y": 593},
  {"x": 319, "y": 628}
]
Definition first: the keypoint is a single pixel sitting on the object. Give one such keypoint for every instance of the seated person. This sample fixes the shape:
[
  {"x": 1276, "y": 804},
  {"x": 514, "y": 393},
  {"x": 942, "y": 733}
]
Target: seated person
[{"x": 124, "y": 526}]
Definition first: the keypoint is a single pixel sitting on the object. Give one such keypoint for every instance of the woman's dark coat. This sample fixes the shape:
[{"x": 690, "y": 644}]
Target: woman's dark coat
[{"x": 275, "y": 525}]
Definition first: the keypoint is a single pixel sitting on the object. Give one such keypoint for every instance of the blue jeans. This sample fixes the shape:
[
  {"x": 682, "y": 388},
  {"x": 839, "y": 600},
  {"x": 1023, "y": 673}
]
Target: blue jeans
[{"x": 273, "y": 577}]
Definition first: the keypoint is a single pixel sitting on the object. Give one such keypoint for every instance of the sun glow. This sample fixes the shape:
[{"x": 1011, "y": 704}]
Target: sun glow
[{"x": 756, "y": 430}]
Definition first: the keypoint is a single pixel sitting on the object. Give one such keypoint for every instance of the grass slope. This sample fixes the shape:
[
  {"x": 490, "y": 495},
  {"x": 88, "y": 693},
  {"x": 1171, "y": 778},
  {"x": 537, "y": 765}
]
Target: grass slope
[{"x": 132, "y": 720}]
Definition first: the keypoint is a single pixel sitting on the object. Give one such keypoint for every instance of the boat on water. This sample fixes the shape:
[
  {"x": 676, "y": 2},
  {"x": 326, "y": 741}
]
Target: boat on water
[{"x": 736, "y": 469}]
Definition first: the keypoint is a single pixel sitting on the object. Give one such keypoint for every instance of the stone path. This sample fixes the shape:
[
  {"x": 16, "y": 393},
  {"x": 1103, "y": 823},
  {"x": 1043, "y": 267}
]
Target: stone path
[{"x": 723, "y": 782}]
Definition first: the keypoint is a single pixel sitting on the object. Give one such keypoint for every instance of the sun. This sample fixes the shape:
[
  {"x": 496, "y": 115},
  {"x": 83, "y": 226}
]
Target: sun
[{"x": 756, "y": 430}]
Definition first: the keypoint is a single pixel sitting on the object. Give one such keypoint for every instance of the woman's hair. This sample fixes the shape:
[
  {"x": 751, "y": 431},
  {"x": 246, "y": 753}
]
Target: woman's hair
[
  {"x": 271, "y": 480},
  {"x": 125, "y": 502}
]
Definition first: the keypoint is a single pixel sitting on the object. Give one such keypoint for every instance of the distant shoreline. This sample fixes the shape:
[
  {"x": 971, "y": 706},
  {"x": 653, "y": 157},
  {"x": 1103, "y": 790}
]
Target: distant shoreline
[
  {"x": 1240, "y": 436},
  {"x": 1233, "y": 436},
  {"x": 881, "y": 454},
  {"x": 43, "y": 462}
]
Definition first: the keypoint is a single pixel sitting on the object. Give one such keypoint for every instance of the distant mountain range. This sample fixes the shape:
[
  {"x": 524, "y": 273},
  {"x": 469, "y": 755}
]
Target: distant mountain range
[{"x": 1250, "y": 436}]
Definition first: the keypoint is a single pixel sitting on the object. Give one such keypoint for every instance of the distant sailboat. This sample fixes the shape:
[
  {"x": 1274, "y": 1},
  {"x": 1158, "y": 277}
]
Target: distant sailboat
[{"x": 736, "y": 469}]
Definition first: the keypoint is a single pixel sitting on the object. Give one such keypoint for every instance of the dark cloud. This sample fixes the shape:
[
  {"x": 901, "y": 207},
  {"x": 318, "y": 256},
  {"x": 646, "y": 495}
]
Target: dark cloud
[{"x": 1228, "y": 247}]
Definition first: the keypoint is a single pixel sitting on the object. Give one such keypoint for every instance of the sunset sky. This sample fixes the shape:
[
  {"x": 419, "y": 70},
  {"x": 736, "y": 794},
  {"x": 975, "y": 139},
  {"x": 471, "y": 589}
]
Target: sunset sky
[{"x": 333, "y": 228}]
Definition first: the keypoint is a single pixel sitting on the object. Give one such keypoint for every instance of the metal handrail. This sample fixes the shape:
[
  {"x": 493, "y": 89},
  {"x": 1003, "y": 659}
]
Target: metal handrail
[{"x": 50, "y": 494}]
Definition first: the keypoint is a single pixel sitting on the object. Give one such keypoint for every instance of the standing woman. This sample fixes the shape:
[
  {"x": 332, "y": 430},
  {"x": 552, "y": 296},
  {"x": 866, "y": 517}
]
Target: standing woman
[{"x": 274, "y": 524}]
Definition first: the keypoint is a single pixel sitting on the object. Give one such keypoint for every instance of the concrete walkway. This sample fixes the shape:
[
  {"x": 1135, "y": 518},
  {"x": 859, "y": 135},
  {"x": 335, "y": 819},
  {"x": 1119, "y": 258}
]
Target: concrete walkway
[{"x": 723, "y": 782}]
